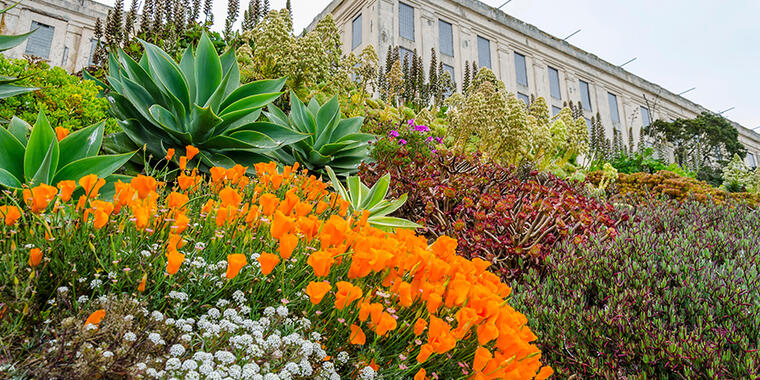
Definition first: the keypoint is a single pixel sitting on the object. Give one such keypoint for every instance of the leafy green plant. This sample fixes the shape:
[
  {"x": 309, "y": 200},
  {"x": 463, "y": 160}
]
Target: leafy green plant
[
  {"x": 68, "y": 101},
  {"x": 6, "y": 43},
  {"x": 199, "y": 101},
  {"x": 360, "y": 198},
  {"x": 332, "y": 140},
  {"x": 42, "y": 158}
]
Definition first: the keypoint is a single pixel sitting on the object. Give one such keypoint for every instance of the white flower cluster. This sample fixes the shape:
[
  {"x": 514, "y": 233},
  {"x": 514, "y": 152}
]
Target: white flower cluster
[{"x": 276, "y": 346}]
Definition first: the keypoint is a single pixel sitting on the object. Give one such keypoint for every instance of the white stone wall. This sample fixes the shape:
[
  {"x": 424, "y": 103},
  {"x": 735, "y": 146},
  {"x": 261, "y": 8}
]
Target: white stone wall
[
  {"x": 74, "y": 23},
  {"x": 470, "y": 18}
]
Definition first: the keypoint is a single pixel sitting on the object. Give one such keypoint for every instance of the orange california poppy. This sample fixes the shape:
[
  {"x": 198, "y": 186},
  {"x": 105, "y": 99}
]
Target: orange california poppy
[
  {"x": 235, "y": 262},
  {"x": 421, "y": 374},
  {"x": 482, "y": 357},
  {"x": 303, "y": 209},
  {"x": 253, "y": 215},
  {"x": 39, "y": 197},
  {"x": 420, "y": 326},
  {"x": 230, "y": 197},
  {"x": 180, "y": 224},
  {"x": 487, "y": 332},
  {"x": 367, "y": 309},
  {"x": 35, "y": 256},
  {"x": 288, "y": 243},
  {"x": 405, "y": 294},
  {"x": 268, "y": 203},
  {"x": 386, "y": 323},
  {"x": 182, "y": 162},
  {"x": 169, "y": 154},
  {"x": 425, "y": 351},
  {"x": 218, "y": 174},
  {"x": 142, "y": 215},
  {"x": 346, "y": 294},
  {"x": 10, "y": 214},
  {"x": 221, "y": 215},
  {"x": 101, "y": 219},
  {"x": 281, "y": 225},
  {"x": 191, "y": 151},
  {"x": 184, "y": 181},
  {"x": 61, "y": 133},
  {"x": 268, "y": 261},
  {"x": 357, "y": 335},
  {"x": 174, "y": 260},
  {"x": 320, "y": 262},
  {"x": 544, "y": 373},
  {"x": 95, "y": 317},
  {"x": 91, "y": 185},
  {"x": 67, "y": 188},
  {"x": 141, "y": 287},
  {"x": 144, "y": 185},
  {"x": 176, "y": 200},
  {"x": 317, "y": 291}
]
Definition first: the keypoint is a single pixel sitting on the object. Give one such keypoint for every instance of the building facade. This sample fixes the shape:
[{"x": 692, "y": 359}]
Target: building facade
[
  {"x": 65, "y": 30},
  {"x": 528, "y": 60}
]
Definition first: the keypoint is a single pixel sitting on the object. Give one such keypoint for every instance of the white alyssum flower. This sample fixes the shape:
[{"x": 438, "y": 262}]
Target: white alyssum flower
[
  {"x": 130, "y": 336},
  {"x": 177, "y": 350}
]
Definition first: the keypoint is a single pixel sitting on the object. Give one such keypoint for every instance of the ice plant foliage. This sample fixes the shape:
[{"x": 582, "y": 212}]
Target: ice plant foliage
[
  {"x": 397, "y": 305},
  {"x": 499, "y": 214}
]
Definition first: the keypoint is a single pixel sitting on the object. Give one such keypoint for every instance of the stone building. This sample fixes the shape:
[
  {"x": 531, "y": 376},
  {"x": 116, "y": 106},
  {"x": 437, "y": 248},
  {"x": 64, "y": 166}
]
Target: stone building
[
  {"x": 65, "y": 33},
  {"x": 528, "y": 60}
]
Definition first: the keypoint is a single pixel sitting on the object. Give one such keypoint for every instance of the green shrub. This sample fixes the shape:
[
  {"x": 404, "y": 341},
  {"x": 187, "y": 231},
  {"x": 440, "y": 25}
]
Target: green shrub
[
  {"x": 673, "y": 296},
  {"x": 67, "y": 100}
]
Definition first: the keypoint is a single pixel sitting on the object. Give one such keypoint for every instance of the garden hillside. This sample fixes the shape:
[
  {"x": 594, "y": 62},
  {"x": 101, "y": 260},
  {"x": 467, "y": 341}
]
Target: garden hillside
[{"x": 254, "y": 204}]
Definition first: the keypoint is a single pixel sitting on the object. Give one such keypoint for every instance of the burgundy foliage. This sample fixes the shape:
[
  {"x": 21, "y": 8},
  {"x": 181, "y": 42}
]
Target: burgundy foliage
[{"x": 507, "y": 216}]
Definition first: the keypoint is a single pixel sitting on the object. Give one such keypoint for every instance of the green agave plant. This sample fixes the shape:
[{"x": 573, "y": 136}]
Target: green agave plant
[
  {"x": 199, "y": 101},
  {"x": 9, "y": 42},
  {"x": 332, "y": 140},
  {"x": 41, "y": 158},
  {"x": 361, "y": 197}
]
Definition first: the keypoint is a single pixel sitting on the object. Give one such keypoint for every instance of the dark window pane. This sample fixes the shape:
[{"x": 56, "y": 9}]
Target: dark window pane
[
  {"x": 524, "y": 98},
  {"x": 406, "y": 21},
  {"x": 614, "y": 114},
  {"x": 445, "y": 38},
  {"x": 520, "y": 70},
  {"x": 585, "y": 96},
  {"x": 484, "y": 52},
  {"x": 356, "y": 32},
  {"x": 645, "y": 118},
  {"x": 554, "y": 83},
  {"x": 40, "y": 41}
]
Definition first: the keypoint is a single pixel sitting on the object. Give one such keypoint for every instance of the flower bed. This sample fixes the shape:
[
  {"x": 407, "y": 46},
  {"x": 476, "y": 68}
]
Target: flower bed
[
  {"x": 370, "y": 303},
  {"x": 497, "y": 213},
  {"x": 673, "y": 296}
]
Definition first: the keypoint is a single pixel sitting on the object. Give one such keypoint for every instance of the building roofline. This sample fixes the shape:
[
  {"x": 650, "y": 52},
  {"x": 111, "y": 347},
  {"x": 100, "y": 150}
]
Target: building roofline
[{"x": 567, "y": 48}]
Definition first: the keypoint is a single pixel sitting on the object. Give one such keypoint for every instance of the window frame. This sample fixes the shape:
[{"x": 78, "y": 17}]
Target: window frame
[
  {"x": 354, "y": 24},
  {"x": 480, "y": 41},
  {"x": 587, "y": 94},
  {"x": 555, "y": 72},
  {"x": 401, "y": 21},
  {"x": 524, "y": 66},
  {"x": 524, "y": 98},
  {"x": 38, "y": 27},
  {"x": 450, "y": 36},
  {"x": 610, "y": 97},
  {"x": 645, "y": 121}
]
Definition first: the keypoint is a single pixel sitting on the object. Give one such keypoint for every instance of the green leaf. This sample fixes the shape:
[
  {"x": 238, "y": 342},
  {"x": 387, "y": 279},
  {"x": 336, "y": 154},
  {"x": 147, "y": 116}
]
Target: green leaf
[
  {"x": 11, "y": 155},
  {"x": 82, "y": 143},
  {"x": 118, "y": 143},
  {"x": 280, "y": 134},
  {"x": 47, "y": 168},
  {"x": 252, "y": 102},
  {"x": 275, "y": 115},
  {"x": 6, "y": 90},
  {"x": 101, "y": 166},
  {"x": 347, "y": 127},
  {"x": 216, "y": 159},
  {"x": 387, "y": 207},
  {"x": 19, "y": 129},
  {"x": 166, "y": 70},
  {"x": 9, "y": 180},
  {"x": 267, "y": 86},
  {"x": 38, "y": 146},
  {"x": 355, "y": 191},
  {"x": 301, "y": 117},
  {"x": 187, "y": 66},
  {"x": 257, "y": 139},
  {"x": 226, "y": 142},
  {"x": 387, "y": 223},
  {"x": 208, "y": 70},
  {"x": 9, "y": 42},
  {"x": 377, "y": 193},
  {"x": 337, "y": 186}
]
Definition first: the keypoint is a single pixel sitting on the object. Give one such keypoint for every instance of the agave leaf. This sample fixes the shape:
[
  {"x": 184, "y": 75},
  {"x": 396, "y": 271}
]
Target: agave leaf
[
  {"x": 387, "y": 207},
  {"x": 347, "y": 127},
  {"x": 102, "y": 166},
  {"x": 19, "y": 129},
  {"x": 301, "y": 118},
  {"x": 145, "y": 137},
  {"x": 82, "y": 143},
  {"x": 166, "y": 119},
  {"x": 328, "y": 119},
  {"x": 139, "y": 76},
  {"x": 266, "y": 86},
  {"x": 208, "y": 70},
  {"x": 250, "y": 103},
  {"x": 136, "y": 94},
  {"x": 389, "y": 223},
  {"x": 11, "y": 154},
  {"x": 355, "y": 191},
  {"x": 38, "y": 146},
  {"x": 257, "y": 139},
  {"x": 215, "y": 100},
  {"x": 187, "y": 66},
  {"x": 281, "y": 135},
  {"x": 377, "y": 193},
  {"x": 248, "y": 159},
  {"x": 216, "y": 159},
  {"x": 167, "y": 72},
  {"x": 48, "y": 166},
  {"x": 6, "y": 91},
  {"x": 337, "y": 186},
  {"x": 275, "y": 115},
  {"x": 9, "y": 180},
  {"x": 9, "y": 42},
  {"x": 118, "y": 143},
  {"x": 227, "y": 142}
]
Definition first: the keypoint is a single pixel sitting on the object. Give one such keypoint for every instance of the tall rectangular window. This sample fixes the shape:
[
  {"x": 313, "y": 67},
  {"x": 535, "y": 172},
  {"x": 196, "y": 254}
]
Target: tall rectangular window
[
  {"x": 406, "y": 21},
  {"x": 524, "y": 98},
  {"x": 93, "y": 48},
  {"x": 614, "y": 114},
  {"x": 39, "y": 43},
  {"x": 520, "y": 70},
  {"x": 450, "y": 70},
  {"x": 589, "y": 126},
  {"x": 554, "y": 83},
  {"x": 645, "y": 118},
  {"x": 751, "y": 160},
  {"x": 556, "y": 110},
  {"x": 585, "y": 96},
  {"x": 356, "y": 32},
  {"x": 445, "y": 38},
  {"x": 484, "y": 52}
]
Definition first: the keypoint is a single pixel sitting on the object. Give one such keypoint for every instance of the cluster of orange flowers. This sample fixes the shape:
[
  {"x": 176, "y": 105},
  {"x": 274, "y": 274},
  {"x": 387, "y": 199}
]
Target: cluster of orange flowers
[{"x": 455, "y": 299}]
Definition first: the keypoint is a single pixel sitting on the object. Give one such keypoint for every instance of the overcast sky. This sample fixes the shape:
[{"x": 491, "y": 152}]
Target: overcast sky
[{"x": 679, "y": 44}]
